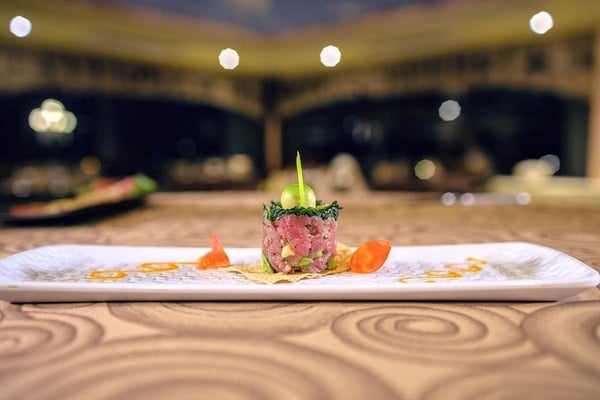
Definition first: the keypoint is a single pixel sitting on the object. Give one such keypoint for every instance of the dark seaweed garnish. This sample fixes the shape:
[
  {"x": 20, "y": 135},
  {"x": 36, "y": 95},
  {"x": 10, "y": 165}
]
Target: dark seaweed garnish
[{"x": 275, "y": 211}]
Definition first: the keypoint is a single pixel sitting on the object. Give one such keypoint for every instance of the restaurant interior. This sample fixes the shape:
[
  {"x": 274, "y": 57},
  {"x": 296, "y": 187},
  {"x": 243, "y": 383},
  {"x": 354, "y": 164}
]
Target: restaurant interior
[
  {"x": 441, "y": 97},
  {"x": 449, "y": 249}
]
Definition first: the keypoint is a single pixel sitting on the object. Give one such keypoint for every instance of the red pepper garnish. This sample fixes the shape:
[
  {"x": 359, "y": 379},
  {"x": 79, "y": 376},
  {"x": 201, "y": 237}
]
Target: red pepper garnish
[
  {"x": 370, "y": 256},
  {"x": 216, "y": 257}
]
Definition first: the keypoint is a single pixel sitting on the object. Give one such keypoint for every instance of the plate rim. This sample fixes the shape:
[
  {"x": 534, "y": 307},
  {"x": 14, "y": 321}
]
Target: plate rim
[{"x": 539, "y": 289}]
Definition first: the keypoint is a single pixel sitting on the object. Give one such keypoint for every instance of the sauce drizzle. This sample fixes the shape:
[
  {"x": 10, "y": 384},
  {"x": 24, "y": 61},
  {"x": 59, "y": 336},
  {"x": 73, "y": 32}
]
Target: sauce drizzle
[
  {"x": 450, "y": 271},
  {"x": 145, "y": 267}
]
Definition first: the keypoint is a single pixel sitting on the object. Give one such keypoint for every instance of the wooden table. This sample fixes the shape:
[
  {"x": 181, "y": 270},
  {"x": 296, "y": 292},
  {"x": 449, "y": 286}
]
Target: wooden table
[{"x": 309, "y": 350}]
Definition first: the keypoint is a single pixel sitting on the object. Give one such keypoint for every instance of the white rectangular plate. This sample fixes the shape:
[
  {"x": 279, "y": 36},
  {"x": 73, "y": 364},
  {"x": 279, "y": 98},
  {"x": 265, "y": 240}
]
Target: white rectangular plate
[{"x": 491, "y": 271}]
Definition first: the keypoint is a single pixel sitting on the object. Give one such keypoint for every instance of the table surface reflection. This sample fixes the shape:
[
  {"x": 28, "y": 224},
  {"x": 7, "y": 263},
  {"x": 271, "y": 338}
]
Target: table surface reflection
[{"x": 309, "y": 350}]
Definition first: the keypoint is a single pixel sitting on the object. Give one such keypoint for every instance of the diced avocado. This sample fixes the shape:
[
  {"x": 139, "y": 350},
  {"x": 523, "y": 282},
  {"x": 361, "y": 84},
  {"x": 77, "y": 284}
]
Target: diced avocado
[
  {"x": 266, "y": 264},
  {"x": 286, "y": 251},
  {"x": 331, "y": 263},
  {"x": 318, "y": 254},
  {"x": 304, "y": 261}
]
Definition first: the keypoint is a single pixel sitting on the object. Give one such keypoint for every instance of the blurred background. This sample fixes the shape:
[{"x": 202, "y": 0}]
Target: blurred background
[{"x": 440, "y": 96}]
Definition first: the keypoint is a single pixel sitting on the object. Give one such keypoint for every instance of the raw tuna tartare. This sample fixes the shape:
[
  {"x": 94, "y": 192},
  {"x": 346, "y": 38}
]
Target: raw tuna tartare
[{"x": 299, "y": 239}]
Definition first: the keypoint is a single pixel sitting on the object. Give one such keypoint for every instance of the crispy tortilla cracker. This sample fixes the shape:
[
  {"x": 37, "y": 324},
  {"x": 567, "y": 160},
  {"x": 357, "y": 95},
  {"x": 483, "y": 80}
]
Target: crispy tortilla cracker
[{"x": 257, "y": 273}]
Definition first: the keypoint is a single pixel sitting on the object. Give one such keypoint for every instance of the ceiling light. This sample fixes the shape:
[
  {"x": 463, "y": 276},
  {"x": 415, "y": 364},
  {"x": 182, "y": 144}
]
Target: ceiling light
[
  {"x": 541, "y": 23},
  {"x": 229, "y": 59},
  {"x": 20, "y": 26},
  {"x": 330, "y": 56}
]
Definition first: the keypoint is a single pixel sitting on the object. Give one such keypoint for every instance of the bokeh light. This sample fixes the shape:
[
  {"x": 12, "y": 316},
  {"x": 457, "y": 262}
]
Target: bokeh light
[
  {"x": 542, "y": 167},
  {"x": 467, "y": 199},
  {"x": 20, "y": 26},
  {"x": 552, "y": 162},
  {"x": 425, "y": 169},
  {"x": 229, "y": 58},
  {"x": 90, "y": 165},
  {"x": 21, "y": 188},
  {"x": 52, "y": 110},
  {"x": 541, "y": 23},
  {"x": 330, "y": 56},
  {"x": 449, "y": 110},
  {"x": 448, "y": 199},
  {"x": 523, "y": 198},
  {"x": 52, "y": 117},
  {"x": 239, "y": 167}
]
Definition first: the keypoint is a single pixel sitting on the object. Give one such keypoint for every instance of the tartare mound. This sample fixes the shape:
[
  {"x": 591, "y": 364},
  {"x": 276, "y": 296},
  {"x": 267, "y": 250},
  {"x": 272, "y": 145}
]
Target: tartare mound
[{"x": 299, "y": 243}]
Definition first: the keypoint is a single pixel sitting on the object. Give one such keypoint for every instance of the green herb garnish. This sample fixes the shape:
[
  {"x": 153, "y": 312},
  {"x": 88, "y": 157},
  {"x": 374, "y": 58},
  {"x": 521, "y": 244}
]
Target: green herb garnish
[{"x": 275, "y": 211}]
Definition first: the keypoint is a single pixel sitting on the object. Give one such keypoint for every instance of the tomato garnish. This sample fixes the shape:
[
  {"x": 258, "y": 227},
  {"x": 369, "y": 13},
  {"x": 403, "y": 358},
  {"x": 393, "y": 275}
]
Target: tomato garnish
[
  {"x": 214, "y": 258},
  {"x": 370, "y": 256}
]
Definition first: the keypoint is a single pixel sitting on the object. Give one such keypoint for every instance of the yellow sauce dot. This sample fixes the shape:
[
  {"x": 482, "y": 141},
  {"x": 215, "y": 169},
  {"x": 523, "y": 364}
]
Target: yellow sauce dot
[
  {"x": 157, "y": 266},
  {"x": 107, "y": 275},
  {"x": 476, "y": 260},
  {"x": 442, "y": 274}
]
